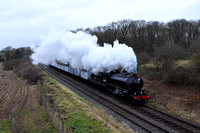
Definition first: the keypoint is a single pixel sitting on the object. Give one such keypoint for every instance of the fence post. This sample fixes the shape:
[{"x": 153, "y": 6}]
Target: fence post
[
  {"x": 51, "y": 110},
  {"x": 57, "y": 123},
  {"x": 63, "y": 126}
]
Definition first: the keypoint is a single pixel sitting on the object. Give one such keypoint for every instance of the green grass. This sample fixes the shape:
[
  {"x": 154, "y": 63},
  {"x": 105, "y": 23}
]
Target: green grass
[
  {"x": 30, "y": 118},
  {"x": 5, "y": 126},
  {"x": 50, "y": 128},
  {"x": 73, "y": 109},
  {"x": 81, "y": 123}
]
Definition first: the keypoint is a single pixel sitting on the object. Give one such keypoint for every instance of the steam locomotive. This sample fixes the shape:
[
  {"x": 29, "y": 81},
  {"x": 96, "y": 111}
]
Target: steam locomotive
[{"x": 125, "y": 85}]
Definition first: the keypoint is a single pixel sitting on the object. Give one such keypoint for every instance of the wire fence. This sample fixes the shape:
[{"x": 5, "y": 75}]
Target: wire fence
[{"x": 51, "y": 110}]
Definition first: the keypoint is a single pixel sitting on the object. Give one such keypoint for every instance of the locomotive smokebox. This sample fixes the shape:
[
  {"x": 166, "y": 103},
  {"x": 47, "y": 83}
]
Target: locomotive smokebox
[{"x": 134, "y": 83}]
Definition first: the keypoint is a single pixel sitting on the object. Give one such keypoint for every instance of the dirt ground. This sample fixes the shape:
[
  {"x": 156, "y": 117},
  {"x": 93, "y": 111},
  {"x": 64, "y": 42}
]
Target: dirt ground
[
  {"x": 19, "y": 105},
  {"x": 33, "y": 117},
  {"x": 183, "y": 101},
  {"x": 10, "y": 92}
]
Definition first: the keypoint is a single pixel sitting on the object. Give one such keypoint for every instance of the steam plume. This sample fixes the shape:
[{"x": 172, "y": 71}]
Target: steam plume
[{"x": 81, "y": 50}]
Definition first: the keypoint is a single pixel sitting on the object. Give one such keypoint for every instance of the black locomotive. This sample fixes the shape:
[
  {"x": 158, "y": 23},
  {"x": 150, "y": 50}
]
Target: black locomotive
[{"x": 125, "y": 85}]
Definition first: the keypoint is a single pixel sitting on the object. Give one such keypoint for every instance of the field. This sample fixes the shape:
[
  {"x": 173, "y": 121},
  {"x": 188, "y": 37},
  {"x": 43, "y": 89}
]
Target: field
[
  {"x": 19, "y": 108},
  {"x": 11, "y": 94}
]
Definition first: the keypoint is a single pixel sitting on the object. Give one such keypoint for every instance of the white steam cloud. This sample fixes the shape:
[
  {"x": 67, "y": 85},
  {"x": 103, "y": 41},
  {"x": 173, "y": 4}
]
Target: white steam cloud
[{"x": 81, "y": 50}]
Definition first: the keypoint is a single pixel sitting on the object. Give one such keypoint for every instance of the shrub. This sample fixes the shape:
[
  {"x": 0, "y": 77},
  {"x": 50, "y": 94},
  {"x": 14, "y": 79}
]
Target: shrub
[
  {"x": 33, "y": 76},
  {"x": 198, "y": 80},
  {"x": 26, "y": 70},
  {"x": 23, "y": 68},
  {"x": 182, "y": 76},
  {"x": 10, "y": 64},
  {"x": 143, "y": 57},
  {"x": 196, "y": 60},
  {"x": 151, "y": 73},
  {"x": 167, "y": 54}
]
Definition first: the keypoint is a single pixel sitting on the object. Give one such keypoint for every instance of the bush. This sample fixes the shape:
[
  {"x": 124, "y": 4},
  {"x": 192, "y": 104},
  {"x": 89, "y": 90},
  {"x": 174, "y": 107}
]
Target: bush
[
  {"x": 23, "y": 68},
  {"x": 182, "y": 76},
  {"x": 26, "y": 70},
  {"x": 167, "y": 54},
  {"x": 143, "y": 57},
  {"x": 10, "y": 64},
  {"x": 151, "y": 73},
  {"x": 198, "y": 80},
  {"x": 33, "y": 76},
  {"x": 196, "y": 60}
]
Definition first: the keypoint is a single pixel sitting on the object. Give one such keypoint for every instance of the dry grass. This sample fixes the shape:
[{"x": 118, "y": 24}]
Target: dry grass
[
  {"x": 5, "y": 126},
  {"x": 183, "y": 101},
  {"x": 33, "y": 118},
  {"x": 184, "y": 63},
  {"x": 99, "y": 113},
  {"x": 72, "y": 105}
]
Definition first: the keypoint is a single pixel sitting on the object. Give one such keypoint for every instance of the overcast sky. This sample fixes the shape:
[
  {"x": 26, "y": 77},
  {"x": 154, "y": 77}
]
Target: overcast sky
[{"x": 23, "y": 22}]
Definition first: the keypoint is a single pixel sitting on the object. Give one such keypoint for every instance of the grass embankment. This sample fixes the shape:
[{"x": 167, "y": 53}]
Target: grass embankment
[
  {"x": 77, "y": 113},
  {"x": 5, "y": 126}
]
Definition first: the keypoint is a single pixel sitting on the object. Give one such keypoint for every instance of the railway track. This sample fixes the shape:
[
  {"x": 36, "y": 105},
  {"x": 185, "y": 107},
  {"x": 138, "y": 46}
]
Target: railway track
[
  {"x": 169, "y": 120},
  {"x": 144, "y": 119}
]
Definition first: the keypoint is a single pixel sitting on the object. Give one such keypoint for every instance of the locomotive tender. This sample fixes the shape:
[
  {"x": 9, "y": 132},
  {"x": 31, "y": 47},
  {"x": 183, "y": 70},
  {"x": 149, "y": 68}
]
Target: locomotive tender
[{"x": 124, "y": 85}]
